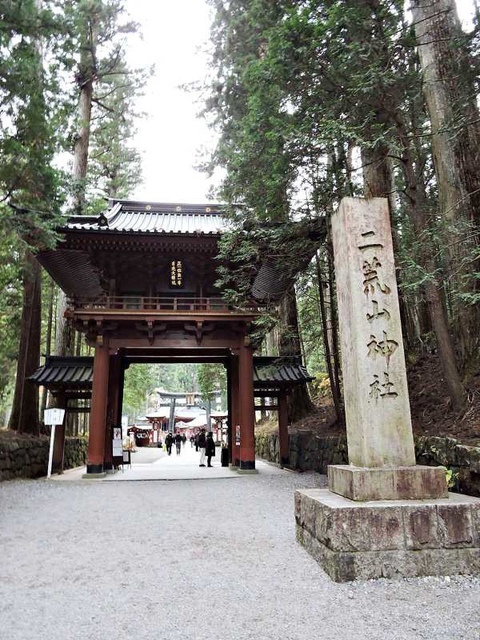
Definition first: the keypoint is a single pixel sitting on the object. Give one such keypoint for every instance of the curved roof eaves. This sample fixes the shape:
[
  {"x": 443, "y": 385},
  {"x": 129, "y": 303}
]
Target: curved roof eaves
[{"x": 152, "y": 222}]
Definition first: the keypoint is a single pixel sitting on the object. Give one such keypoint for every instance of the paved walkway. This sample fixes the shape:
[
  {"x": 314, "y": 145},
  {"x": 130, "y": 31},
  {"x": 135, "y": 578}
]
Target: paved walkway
[
  {"x": 149, "y": 463},
  {"x": 210, "y": 559}
]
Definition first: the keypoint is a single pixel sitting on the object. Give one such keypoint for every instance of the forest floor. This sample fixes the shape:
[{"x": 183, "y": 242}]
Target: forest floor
[{"x": 431, "y": 409}]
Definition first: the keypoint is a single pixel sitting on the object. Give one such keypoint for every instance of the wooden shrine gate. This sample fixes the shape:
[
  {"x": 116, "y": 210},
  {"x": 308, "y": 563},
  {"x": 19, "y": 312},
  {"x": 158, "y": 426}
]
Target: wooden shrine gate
[{"x": 140, "y": 283}]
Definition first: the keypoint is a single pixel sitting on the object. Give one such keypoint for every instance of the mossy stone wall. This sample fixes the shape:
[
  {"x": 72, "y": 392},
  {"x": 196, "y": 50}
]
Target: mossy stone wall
[
  {"x": 23, "y": 456},
  {"x": 310, "y": 452}
]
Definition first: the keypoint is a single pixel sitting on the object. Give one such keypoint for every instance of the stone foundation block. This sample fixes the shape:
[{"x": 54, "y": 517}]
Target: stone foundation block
[
  {"x": 415, "y": 482},
  {"x": 364, "y": 540}
]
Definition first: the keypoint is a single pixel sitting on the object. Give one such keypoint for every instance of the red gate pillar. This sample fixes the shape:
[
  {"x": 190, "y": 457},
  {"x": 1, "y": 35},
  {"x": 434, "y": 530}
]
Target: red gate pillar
[
  {"x": 247, "y": 411},
  {"x": 235, "y": 412},
  {"x": 283, "y": 442},
  {"x": 113, "y": 408},
  {"x": 98, "y": 411}
]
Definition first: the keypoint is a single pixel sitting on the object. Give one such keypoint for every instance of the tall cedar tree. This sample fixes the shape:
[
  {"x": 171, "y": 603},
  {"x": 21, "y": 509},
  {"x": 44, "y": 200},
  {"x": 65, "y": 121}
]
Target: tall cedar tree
[
  {"x": 344, "y": 73},
  {"x": 449, "y": 86},
  {"x": 252, "y": 123},
  {"x": 105, "y": 88},
  {"x": 28, "y": 180}
]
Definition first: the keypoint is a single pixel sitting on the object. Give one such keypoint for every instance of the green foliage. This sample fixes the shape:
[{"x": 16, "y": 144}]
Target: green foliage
[
  {"x": 211, "y": 379},
  {"x": 309, "y": 321},
  {"x": 297, "y": 90},
  {"x": 115, "y": 167},
  {"x": 29, "y": 129},
  {"x": 31, "y": 105},
  {"x": 138, "y": 381},
  {"x": 320, "y": 386},
  {"x": 242, "y": 252},
  {"x": 452, "y": 477},
  {"x": 143, "y": 379}
]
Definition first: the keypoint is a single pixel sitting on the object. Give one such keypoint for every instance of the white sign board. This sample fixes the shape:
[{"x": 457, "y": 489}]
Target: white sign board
[
  {"x": 53, "y": 416},
  {"x": 117, "y": 444},
  {"x": 117, "y": 448}
]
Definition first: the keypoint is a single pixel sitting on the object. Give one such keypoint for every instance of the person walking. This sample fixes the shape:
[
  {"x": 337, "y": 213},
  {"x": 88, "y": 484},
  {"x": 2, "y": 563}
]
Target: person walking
[
  {"x": 202, "y": 443},
  {"x": 168, "y": 443},
  {"x": 209, "y": 448},
  {"x": 178, "y": 443}
]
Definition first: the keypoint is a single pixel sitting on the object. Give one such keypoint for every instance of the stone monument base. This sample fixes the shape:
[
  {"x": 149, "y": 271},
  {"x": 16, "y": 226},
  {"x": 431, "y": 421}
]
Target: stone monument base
[
  {"x": 416, "y": 482},
  {"x": 354, "y": 540}
]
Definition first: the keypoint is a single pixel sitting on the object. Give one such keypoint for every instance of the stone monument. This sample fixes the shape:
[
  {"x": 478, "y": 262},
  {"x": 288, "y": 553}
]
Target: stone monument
[{"x": 383, "y": 515}]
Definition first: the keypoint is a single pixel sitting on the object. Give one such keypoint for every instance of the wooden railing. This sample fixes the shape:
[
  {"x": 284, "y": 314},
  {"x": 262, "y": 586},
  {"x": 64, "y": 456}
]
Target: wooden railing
[{"x": 146, "y": 303}]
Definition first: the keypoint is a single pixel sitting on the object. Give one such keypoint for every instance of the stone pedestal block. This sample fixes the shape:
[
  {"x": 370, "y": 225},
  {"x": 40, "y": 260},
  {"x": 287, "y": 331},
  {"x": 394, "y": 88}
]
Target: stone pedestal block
[
  {"x": 388, "y": 483},
  {"x": 389, "y": 538}
]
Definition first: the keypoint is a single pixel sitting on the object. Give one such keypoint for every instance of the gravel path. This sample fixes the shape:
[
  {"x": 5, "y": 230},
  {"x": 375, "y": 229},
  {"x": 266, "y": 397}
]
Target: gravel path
[{"x": 208, "y": 559}]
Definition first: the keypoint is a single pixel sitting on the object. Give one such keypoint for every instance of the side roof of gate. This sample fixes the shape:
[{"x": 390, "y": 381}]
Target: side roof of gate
[{"x": 78, "y": 371}]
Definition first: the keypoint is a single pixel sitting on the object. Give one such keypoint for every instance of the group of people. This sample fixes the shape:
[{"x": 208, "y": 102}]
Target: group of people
[
  {"x": 203, "y": 442},
  {"x": 178, "y": 439},
  {"x": 206, "y": 445}
]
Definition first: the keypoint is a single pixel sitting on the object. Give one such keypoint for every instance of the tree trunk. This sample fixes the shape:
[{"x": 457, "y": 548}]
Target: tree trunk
[
  {"x": 65, "y": 335},
  {"x": 299, "y": 402},
  {"x": 327, "y": 341},
  {"x": 377, "y": 185},
  {"x": 416, "y": 208},
  {"x": 48, "y": 338},
  {"x": 64, "y": 339},
  {"x": 377, "y": 175},
  {"x": 85, "y": 79},
  {"x": 33, "y": 131},
  {"x": 449, "y": 90},
  {"x": 334, "y": 327},
  {"x": 82, "y": 140},
  {"x": 24, "y": 416}
]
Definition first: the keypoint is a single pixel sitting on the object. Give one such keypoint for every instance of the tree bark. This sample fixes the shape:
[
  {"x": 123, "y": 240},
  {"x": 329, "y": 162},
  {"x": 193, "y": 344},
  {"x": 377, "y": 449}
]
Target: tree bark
[
  {"x": 48, "y": 338},
  {"x": 449, "y": 91},
  {"x": 85, "y": 78},
  {"x": 328, "y": 342},
  {"x": 33, "y": 131},
  {"x": 416, "y": 209},
  {"x": 86, "y": 73},
  {"x": 82, "y": 140},
  {"x": 64, "y": 335},
  {"x": 299, "y": 402},
  {"x": 377, "y": 176},
  {"x": 24, "y": 416}
]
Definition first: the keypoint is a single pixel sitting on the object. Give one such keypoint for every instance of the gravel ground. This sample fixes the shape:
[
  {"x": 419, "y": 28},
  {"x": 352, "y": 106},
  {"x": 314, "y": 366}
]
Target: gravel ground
[{"x": 199, "y": 559}]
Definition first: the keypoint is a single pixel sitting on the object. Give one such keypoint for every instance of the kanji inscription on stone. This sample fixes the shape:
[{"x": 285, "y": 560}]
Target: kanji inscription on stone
[{"x": 377, "y": 408}]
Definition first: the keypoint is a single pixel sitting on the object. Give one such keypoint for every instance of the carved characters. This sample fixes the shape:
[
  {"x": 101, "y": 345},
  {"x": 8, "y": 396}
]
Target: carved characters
[{"x": 380, "y": 346}]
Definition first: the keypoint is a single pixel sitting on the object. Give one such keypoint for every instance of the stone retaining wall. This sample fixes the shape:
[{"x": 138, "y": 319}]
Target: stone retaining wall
[
  {"x": 309, "y": 452},
  {"x": 27, "y": 456}
]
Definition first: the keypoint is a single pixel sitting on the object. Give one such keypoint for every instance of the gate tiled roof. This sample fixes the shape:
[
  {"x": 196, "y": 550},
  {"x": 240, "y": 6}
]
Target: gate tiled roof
[
  {"x": 278, "y": 371},
  {"x": 77, "y": 372},
  {"x": 71, "y": 372},
  {"x": 126, "y": 216}
]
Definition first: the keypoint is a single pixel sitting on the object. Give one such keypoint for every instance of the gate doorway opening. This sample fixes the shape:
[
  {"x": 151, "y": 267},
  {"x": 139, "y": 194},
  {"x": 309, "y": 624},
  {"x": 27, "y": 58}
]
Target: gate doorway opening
[
  {"x": 164, "y": 401},
  {"x": 174, "y": 398}
]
